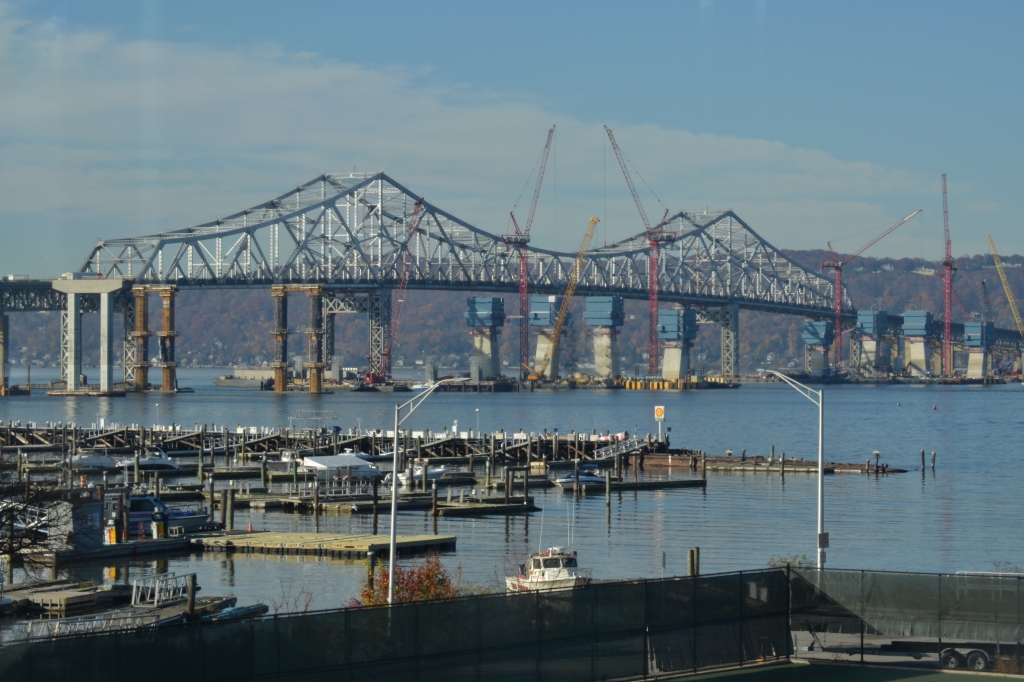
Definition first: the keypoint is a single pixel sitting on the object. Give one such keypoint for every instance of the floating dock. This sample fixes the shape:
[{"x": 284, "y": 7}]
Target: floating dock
[{"x": 331, "y": 545}]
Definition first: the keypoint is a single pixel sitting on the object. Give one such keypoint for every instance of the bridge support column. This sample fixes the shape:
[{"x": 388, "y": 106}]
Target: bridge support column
[
  {"x": 380, "y": 331},
  {"x": 140, "y": 337},
  {"x": 73, "y": 341},
  {"x": 730, "y": 322},
  {"x": 978, "y": 363},
  {"x": 280, "y": 332},
  {"x": 545, "y": 350},
  {"x": 485, "y": 353},
  {"x": 125, "y": 303},
  {"x": 327, "y": 340},
  {"x": 106, "y": 342},
  {"x": 675, "y": 362},
  {"x": 606, "y": 352},
  {"x": 4, "y": 344},
  {"x": 875, "y": 356},
  {"x": 918, "y": 356},
  {"x": 315, "y": 342},
  {"x": 169, "y": 379}
]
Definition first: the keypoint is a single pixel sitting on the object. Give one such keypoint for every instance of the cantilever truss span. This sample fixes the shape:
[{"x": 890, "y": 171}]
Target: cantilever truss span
[{"x": 349, "y": 232}]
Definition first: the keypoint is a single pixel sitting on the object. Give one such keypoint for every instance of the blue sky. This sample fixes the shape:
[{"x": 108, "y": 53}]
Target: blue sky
[{"x": 813, "y": 120}]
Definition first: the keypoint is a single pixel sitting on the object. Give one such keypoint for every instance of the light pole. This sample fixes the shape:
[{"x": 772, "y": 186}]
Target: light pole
[
  {"x": 818, "y": 398},
  {"x": 412, "y": 405},
  {"x": 478, "y": 422}
]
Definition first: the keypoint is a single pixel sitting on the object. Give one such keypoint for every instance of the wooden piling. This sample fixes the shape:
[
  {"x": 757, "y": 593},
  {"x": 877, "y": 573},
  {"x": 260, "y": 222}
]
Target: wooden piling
[
  {"x": 933, "y": 461},
  {"x": 607, "y": 488},
  {"x": 223, "y": 506},
  {"x": 433, "y": 500},
  {"x": 922, "y": 460},
  {"x": 508, "y": 483},
  {"x": 376, "y": 483},
  {"x": 231, "y": 509},
  {"x": 782, "y": 465},
  {"x": 316, "y": 505},
  {"x": 190, "y": 607}
]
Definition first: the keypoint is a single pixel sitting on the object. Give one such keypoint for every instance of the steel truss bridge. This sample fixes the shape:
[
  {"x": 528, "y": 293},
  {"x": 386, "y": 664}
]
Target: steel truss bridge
[{"x": 343, "y": 239}]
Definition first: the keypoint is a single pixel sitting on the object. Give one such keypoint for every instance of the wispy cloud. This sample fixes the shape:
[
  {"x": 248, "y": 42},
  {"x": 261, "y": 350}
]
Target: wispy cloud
[{"x": 112, "y": 137}]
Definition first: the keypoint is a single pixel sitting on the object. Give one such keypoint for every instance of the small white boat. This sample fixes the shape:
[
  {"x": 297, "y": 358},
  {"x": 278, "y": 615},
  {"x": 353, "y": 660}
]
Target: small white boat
[
  {"x": 586, "y": 480},
  {"x": 151, "y": 461},
  {"x": 433, "y": 474},
  {"x": 420, "y": 387},
  {"x": 92, "y": 459},
  {"x": 555, "y": 569}
]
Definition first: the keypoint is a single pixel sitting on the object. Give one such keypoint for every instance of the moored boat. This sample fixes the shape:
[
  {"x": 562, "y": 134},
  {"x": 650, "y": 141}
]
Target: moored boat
[
  {"x": 555, "y": 569},
  {"x": 92, "y": 459},
  {"x": 585, "y": 480},
  {"x": 151, "y": 461}
]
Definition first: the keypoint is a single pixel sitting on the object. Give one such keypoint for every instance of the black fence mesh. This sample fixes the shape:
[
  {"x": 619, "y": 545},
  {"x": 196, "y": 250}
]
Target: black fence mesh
[
  {"x": 929, "y": 620},
  {"x": 603, "y": 631}
]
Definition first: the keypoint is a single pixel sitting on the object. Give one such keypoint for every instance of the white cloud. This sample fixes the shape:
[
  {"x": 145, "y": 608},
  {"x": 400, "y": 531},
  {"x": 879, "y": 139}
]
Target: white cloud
[{"x": 103, "y": 136}]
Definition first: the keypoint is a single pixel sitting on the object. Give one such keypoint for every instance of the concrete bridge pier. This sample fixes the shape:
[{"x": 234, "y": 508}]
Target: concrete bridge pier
[
  {"x": 485, "y": 316},
  {"x": 818, "y": 336},
  {"x": 677, "y": 329},
  {"x": 75, "y": 290},
  {"x": 280, "y": 332},
  {"x": 604, "y": 315},
  {"x": 919, "y": 356},
  {"x": 140, "y": 337}
]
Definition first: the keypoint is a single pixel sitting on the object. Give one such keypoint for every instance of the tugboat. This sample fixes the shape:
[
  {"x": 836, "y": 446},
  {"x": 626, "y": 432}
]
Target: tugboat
[{"x": 555, "y": 569}]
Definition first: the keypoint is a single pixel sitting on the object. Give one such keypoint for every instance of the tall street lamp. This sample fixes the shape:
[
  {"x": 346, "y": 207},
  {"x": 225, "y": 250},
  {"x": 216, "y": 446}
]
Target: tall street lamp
[
  {"x": 412, "y": 405},
  {"x": 818, "y": 398}
]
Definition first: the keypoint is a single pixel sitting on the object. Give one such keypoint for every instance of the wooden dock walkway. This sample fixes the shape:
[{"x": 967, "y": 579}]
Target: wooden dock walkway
[{"x": 331, "y": 545}]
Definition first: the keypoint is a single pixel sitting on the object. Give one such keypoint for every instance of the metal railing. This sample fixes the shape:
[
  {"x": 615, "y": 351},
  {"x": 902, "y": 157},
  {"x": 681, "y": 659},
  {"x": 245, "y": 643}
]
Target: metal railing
[{"x": 160, "y": 590}]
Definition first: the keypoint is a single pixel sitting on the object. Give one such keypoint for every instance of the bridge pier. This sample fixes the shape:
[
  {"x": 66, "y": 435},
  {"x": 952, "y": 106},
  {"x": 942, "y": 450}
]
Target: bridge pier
[
  {"x": 314, "y": 333},
  {"x": 543, "y": 312},
  {"x": 169, "y": 378},
  {"x": 280, "y": 332},
  {"x": 379, "y": 305},
  {"x": 71, "y": 332},
  {"x": 730, "y": 322},
  {"x": 817, "y": 337},
  {"x": 140, "y": 337},
  {"x": 677, "y": 328},
  {"x": 485, "y": 316},
  {"x": 604, "y": 315}
]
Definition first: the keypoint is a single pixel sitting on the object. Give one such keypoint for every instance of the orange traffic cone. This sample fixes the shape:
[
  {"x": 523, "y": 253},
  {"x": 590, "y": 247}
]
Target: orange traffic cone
[{"x": 250, "y": 526}]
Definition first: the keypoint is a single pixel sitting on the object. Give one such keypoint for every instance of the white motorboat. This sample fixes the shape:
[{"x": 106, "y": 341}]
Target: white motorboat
[
  {"x": 433, "y": 474},
  {"x": 151, "y": 461},
  {"x": 92, "y": 459},
  {"x": 420, "y": 387},
  {"x": 555, "y": 569},
  {"x": 586, "y": 480}
]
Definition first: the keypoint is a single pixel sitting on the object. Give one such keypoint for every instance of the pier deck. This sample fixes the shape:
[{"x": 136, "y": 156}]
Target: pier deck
[{"x": 332, "y": 545}]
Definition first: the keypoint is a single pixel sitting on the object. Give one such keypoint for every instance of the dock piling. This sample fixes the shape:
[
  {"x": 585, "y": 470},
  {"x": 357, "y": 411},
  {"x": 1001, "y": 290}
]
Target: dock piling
[
  {"x": 223, "y": 505},
  {"x": 933, "y": 460},
  {"x": 922, "y": 460},
  {"x": 190, "y": 609},
  {"x": 376, "y": 483},
  {"x": 607, "y": 488},
  {"x": 230, "y": 508},
  {"x": 433, "y": 499},
  {"x": 316, "y": 505},
  {"x": 782, "y": 465}
]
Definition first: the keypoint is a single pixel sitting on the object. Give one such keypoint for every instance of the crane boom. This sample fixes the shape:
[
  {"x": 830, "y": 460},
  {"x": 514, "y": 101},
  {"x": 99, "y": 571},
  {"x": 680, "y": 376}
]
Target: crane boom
[
  {"x": 874, "y": 241},
  {"x": 655, "y": 236},
  {"x": 1006, "y": 287},
  {"x": 519, "y": 240},
  {"x": 563, "y": 310},
  {"x": 948, "y": 265},
  {"x": 403, "y": 284}
]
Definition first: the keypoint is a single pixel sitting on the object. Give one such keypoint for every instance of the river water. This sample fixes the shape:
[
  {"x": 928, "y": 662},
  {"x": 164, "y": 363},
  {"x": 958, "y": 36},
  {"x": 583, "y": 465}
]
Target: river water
[{"x": 964, "y": 515}]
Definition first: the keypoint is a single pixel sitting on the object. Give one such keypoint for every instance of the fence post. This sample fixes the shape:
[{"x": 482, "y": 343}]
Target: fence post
[
  {"x": 789, "y": 611},
  {"x": 938, "y": 601},
  {"x": 862, "y": 614},
  {"x": 696, "y": 608},
  {"x": 743, "y": 652},
  {"x": 647, "y": 634}
]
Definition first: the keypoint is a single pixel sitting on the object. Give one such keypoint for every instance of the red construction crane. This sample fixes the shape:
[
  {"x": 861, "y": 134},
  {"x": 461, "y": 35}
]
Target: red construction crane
[
  {"x": 657, "y": 236},
  {"x": 520, "y": 239},
  {"x": 834, "y": 263},
  {"x": 400, "y": 292},
  {"x": 948, "y": 270}
]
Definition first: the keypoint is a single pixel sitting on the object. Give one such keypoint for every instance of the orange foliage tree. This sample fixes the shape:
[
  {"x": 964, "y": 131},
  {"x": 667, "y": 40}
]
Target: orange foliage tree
[{"x": 428, "y": 581}]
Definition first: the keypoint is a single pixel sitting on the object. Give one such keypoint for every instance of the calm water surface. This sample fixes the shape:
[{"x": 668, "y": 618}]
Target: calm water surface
[{"x": 965, "y": 515}]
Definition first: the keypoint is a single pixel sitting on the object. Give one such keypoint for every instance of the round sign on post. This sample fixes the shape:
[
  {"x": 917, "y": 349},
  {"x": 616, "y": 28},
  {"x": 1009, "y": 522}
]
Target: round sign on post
[{"x": 659, "y": 413}]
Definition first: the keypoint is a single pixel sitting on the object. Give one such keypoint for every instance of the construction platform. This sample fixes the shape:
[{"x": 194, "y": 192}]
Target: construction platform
[{"x": 330, "y": 545}]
